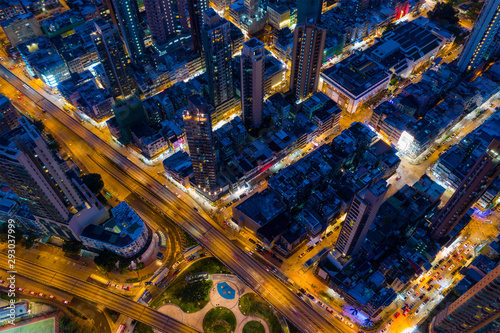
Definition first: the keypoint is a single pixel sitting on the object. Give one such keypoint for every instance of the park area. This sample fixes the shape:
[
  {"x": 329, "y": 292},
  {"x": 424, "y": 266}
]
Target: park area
[
  {"x": 253, "y": 305},
  {"x": 191, "y": 297},
  {"x": 219, "y": 320}
]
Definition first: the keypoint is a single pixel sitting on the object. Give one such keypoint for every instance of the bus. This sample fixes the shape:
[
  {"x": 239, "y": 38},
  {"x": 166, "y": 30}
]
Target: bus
[
  {"x": 100, "y": 280},
  {"x": 156, "y": 281},
  {"x": 193, "y": 250},
  {"x": 121, "y": 328}
]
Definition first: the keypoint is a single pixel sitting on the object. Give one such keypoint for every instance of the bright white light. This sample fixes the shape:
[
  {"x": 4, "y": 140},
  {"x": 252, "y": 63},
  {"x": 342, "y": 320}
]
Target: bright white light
[{"x": 405, "y": 140}]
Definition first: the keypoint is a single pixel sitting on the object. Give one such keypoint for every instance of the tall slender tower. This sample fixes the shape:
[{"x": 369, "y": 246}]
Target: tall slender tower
[
  {"x": 484, "y": 31},
  {"x": 252, "y": 82},
  {"x": 476, "y": 311},
  {"x": 164, "y": 18},
  {"x": 36, "y": 176},
  {"x": 216, "y": 36},
  {"x": 110, "y": 49},
  {"x": 198, "y": 124},
  {"x": 484, "y": 171},
  {"x": 307, "y": 55},
  {"x": 195, "y": 10},
  {"x": 309, "y": 9},
  {"x": 127, "y": 14},
  {"x": 361, "y": 213}
]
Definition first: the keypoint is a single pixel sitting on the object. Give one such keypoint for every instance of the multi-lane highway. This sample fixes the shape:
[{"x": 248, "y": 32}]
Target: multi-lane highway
[
  {"x": 96, "y": 294},
  {"x": 207, "y": 234}
]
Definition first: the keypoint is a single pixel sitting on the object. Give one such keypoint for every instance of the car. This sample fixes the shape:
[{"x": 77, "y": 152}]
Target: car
[
  {"x": 416, "y": 294},
  {"x": 43, "y": 110},
  {"x": 467, "y": 251},
  {"x": 430, "y": 281},
  {"x": 19, "y": 98},
  {"x": 349, "y": 324},
  {"x": 336, "y": 228},
  {"x": 252, "y": 241},
  {"x": 329, "y": 233},
  {"x": 176, "y": 272},
  {"x": 442, "y": 269},
  {"x": 459, "y": 251},
  {"x": 65, "y": 302},
  {"x": 408, "y": 292},
  {"x": 430, "y": 288},
  {"x": 41, "y": 295},
  {"x": 397, "y": 315},
  {"x": 422, "y": 288},
  {"x": 302, "y": 255},
  {"x": 310, "y": 248},
  {"x": 32, "y": 293},
  {"x": 398, "y": 177},
  {"x": 21, "y": 289},
  {"x": 421, "y": 296},
  {"x": 466, "y": 244},
  {"x": 421, "y": 280},
  {"x": 2, "y": 281},
  {"x": 451, "y": 267},
  {"x": 440, "y": 278},
  {"x": 52, "y": 297}
]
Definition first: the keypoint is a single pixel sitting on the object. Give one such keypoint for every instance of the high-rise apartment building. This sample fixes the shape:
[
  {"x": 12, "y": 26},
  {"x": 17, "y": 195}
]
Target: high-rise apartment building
[
  {"x": 251, "y": 7},
  {"x": 39, "y": 178},
  {"x": 198, "y": 124},
  {"x": 127, "y": 15},
  {"x": 112, "y": 55},
  {"x": 472, "y": 187},
  {"x": 252, "y": 82},
  {"x": 307, "y": 55},
  {"x": 195, "y": 10},
  {"x": 476, "y": 311},
  {"x": 360, "y": 216},
  {"x": 165, "y": 18},
  {"x": 482, "y": 35},
  {"x": 216, "y": 36},
  {"x": 8, "y": 115},
  {"x": 309, "y": 9}
]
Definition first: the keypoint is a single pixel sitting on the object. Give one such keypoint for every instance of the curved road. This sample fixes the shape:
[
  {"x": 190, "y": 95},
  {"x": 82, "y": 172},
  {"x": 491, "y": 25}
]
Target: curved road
[
  {"x": 96, "y": 294},
  {"x": 208, "y": 235}
]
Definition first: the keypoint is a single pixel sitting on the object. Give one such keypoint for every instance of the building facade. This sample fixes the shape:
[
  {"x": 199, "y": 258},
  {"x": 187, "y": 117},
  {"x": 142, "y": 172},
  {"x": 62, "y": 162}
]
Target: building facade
[
  {"x": 198, "y": 124},
  {"x": 252, "y": 82},
  {"x": 307, "y": 55},
  {"x": 361, "y": 213},
  {"x": 477, "y": 310},
  {"x": 484, "y": 171},
  {"x": 127, "y": 15},
  {"x": 21, "y": 28},
  {"x": 195, "y": 10},
  {"x": 482, "y": 35},
  {"x": 165, "y": 19},
  {"x": 113, "y": 58}
]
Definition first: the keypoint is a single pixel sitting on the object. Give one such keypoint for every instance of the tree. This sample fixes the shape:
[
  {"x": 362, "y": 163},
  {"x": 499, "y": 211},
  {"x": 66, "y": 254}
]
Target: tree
[
  {"x": 4, "y": 232},
  {"x": 195, "y": 291},
  {"x": 394, "y": 80},
  {"x": 123, "y": 264},
  {"x": 39, "y": 125},
  {"x": 68, "y": 326},
  {"x": 106, "y": 260},
  {"x": 140, "y": 265},
  {"x": 94, "y": 182},
  {"x": 28, "y": 242},
  {"x": 443, "y": 12},
  {"x": 388, "y": 28},
  {"x": 72, "y": 247}
]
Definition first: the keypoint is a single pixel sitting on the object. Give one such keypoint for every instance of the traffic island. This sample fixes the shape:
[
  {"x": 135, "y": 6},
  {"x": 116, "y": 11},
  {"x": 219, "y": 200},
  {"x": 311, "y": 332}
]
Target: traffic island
[
  {"x": 219, "y": 320},
  {"x": 253, "y": 305}
]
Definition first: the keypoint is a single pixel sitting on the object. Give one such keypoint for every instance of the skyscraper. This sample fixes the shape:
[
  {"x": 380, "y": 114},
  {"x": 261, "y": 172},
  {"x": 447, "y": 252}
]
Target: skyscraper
[
  {"x": 127, "y": 14},
  {"x": 478, "y": 310},
  {"x": 216, "y": 36},
  {"x": 198, "y": 124},
  {"x": 164, "y": 18},
  {"x": 110, "y": 49},
  {"x": 307, "y": 55},
  {"x": 472, "y": 187},
  {"x": 38, "y": 177},
  {"x": 484, "y": 31},
  {"x": 196, "y": 9},
  {"x": 251, "y": 7},
  {"x": 252, "y": 82},
  {"x": 361, "y": 213},
  {"x": 309, "y": 9},
  {"x": 8, "y": 115}
]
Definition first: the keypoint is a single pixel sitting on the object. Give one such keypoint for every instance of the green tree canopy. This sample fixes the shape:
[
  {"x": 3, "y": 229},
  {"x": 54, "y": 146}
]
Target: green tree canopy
[
  {"x": 94, "y": 182},
  {"x": 72, "y": 247},
  {"x": 107, "y": 260},
  {"x": 443, "y": 12}
]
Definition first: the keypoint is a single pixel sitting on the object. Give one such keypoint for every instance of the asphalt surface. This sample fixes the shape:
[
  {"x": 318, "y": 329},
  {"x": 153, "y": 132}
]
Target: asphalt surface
[
  {"x": 97, "y": 295},
  {"x": 208, "y": 235}
]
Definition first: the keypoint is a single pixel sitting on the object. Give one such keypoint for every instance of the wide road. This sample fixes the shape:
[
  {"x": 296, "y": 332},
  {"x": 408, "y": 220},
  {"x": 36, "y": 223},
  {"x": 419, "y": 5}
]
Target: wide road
[
  {"x": 93, "y": 293},
  {"x": 208, "y": 235}
]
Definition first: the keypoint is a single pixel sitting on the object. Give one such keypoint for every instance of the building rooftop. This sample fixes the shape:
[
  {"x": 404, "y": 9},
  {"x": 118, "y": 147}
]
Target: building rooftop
[
  {"x": 122, "y": 229},
  {"x": 262, "y": 207}
]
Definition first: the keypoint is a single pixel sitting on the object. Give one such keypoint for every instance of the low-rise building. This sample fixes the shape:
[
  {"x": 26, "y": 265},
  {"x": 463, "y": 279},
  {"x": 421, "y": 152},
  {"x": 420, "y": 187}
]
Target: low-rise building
[
  {"x": 125, "y": 233},
  {"x": 59, "y": 24},
  {"x": 21, "y": 28},
  {"x": 179, "y": 167}
]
